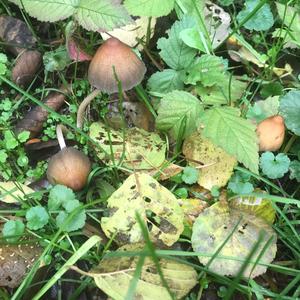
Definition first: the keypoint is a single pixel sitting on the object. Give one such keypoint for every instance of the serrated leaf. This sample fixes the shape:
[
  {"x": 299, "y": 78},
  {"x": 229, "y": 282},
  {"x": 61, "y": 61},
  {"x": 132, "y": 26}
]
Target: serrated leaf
[
  {"x": 13, "y": 228},
  {"x": 261, "y": 20},
  {"x": 217, "y": 165},
  {"x": 259, "y": 206},
  {"x": 208, "y": 69},
  {"x": 101, "y": 15},
  {"x": 235, "y": 135},
  {"x": 37, "y": 217},
  {"x": 14, "y": 192},
  {"x": 216, "y": 223},
  {"x": 174, "y": 51},
  {"x": 113, "y": 276},
  {"x": 165, "y": 81},
  {"x": 149, "y": 8},
  {"x": 274, "y": 166},
  {"x": 136, "y": 148},
  {"x": 77, "y": 222},
  {"x": 156, "y": 205},
  {"x": 59, "y": 195},
  {"x": 190, "y": 175},
  {"x": 290, "y": 110},
  {"x": 176, "y": 106},
  {"x": 48, "y": 10},
  {"x": 223, "y": 92}
]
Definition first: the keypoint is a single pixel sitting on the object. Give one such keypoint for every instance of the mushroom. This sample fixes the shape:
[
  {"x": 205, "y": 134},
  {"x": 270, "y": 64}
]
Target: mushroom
[
  {"x": 114, "y": 61},
  {"x": 270, "y": 133},
  {"x": 69, "y": 166}
]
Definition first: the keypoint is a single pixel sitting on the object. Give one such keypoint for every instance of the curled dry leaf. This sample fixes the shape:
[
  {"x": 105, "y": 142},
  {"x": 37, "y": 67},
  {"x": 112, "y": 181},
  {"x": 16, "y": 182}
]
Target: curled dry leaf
[
  {"x": 26, "y": 67},
  {"x": 132, "y": 33},
  {"x": 271, "y": 133},
  {"x": 16, "y": 261},
  {"x": 113, "y": 276},
  {"x": 34, "y": 119},
  {"x": 217, "y": 165},
  {"x": 16, "y": 34},
  {"x": 155, "y": 204},
  {"x": 12, "y": 192},
  {"x": 213, "y": 227},
  {"x": 135, "y": 148},
  {"x": 75, "y": 52}
]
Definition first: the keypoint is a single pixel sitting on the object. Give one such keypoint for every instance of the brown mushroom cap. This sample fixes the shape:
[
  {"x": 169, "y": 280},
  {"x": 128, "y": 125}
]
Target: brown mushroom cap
[
  {"x": 69, "y": 167},
  {"x": 129, "y": 68},
  {"x": 270, "y": 133}
]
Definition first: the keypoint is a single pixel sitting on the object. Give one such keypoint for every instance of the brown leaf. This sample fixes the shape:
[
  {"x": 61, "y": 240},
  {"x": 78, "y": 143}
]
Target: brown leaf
[
  {"x": 16, "y": 261},
  {"x": 75, "y": 52},
  {"x": 16, "y": 34},
  {"x": 26, "y": 67},
  {"x": 34, "y": 119}
]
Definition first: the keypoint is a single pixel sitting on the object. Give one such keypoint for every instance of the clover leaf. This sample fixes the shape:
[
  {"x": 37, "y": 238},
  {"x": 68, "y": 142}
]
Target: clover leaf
[{"x": 274, "y": 166}]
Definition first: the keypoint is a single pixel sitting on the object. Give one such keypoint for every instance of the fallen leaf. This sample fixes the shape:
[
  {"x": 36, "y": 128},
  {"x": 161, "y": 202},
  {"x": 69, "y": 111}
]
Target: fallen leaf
[
  {"x": 75, "y": 52},
  {"x": 135, "y": 148},
  {"x": 216, "y": 165},
  {"x": 13, "y": 192},
  {"x": 216, "y": 223},
  {"x": 155, "y": 204},
  {"x": 113, "y": 276},
  {"x": 26, "y": 67},
  {"x": 165, "y": 171}
]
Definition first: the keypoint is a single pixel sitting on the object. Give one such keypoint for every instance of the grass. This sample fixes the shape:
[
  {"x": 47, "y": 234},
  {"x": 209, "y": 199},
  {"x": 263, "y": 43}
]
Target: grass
[{"x": 66, "y": 249}]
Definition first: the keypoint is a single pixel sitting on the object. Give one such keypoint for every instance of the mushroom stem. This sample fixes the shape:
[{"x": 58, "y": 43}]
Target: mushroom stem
[
  {"x": 81, "y": 109},
  {"x": 60, "y": 137}
]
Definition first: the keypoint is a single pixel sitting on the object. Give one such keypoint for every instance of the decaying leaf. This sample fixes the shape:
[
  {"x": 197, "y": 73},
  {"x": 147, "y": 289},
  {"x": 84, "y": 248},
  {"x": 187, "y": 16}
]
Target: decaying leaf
[
  {"x": 217, "y": 164},
  {"x": 155, "y": 204},
  {"x": 135, "y": 148},
  {"x": 11, "y": 191},
  {"x": 259, "y": 206},
  {"x": 132, "y": 33},
  {"x": 216, "y": 223},
  {"x": 16, "y": 34},
  {"x": 16, "y": 261},
  {"x": 135, "y": 114},
  {"x": 192, "y": 209},
  {"x": 75, "y": 52},
  {"x": 26, "y": 67},
  {"x": 34, "y": 119},
  {"x": 166, "y": 171},
  {"x": 113, "y": 276}
]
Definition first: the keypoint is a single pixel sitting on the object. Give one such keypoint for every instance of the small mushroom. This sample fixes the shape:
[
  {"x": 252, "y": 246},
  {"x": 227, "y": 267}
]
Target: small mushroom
[
  {"x": 114, "y": 61},
  {"x": 270, "y": 133},
  {"x": 69, "y": 166}
]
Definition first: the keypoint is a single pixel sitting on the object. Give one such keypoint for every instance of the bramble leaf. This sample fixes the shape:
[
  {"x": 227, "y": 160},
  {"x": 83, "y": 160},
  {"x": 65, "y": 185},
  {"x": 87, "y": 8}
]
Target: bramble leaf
[
  {"x": 235, "y": 135},
  {"x": 274, "y": 166}
]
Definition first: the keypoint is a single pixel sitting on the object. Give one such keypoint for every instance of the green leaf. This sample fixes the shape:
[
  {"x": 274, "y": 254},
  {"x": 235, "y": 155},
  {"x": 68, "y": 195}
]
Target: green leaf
[
  {"x": 261, "y": 20},
  {"x": 220, "y": 93},
  {"x": 77, "y": 222},
  {"x": 216, "y": 164},
  {"x": 194, "y": 38},
  {"x": 149, "y": 8},
  {"x": 23, "y": 136},
  {"x": 190, "y": 175},
  {"x": 274, "y": 166},
  {"x": 225, "y": 2},
  {"x": 174, "y": 52},
  {"x": 115, "y": 275},
  {"x": 59, "y": 195},
  {"x": 290, "y": 110},
  {"x": 3, "y": 156},
  {"x": 176, "y": 106},
  {"x": 13, "y": 228},
  {"x": 156, "y": 205},
  {"x": 135, "y": 148},
  {"x": 101, "y": 15},
  {"x": 165, "y": 81},
  {"x": 37, "y": 217},
  {"x": 215, "y": 225},
  {"x": 10, "y": 140},
  {"x": 3, "y": 58},
  {"x": 3, "y": 69},
  {"x": 56, "y": 60},
  {"x": 70, "y": 205},
  {"x": 208, "y": 69},
  {"x": 48, "y": 10},
  {"x": 239, "y": 183},
  {"x": 295, "y": 170},
  {"x": 235, "y": 135}
]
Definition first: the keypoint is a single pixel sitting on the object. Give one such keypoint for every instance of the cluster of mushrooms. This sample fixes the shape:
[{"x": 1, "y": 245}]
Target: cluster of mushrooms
[
  {"x": 113, "y": 62},
  {"x": 116, "y": 62}
]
